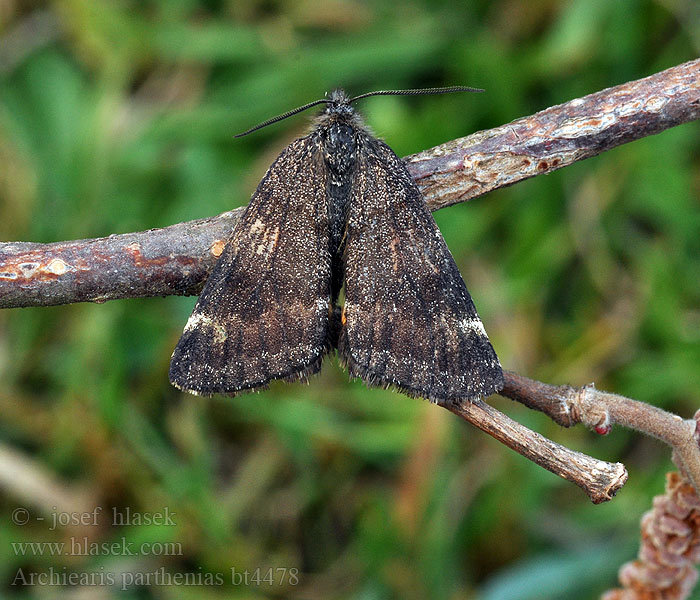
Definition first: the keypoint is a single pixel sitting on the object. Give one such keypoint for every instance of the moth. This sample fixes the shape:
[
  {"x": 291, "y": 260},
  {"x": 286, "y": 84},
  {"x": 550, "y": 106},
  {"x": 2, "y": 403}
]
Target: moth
[{"x": 337, "y": 213}]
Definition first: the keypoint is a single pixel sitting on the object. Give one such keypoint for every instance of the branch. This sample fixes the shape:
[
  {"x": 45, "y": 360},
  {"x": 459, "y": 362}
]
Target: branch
[
  {"x": 557, "y": 137},
  {"x": 158, "y": 262},
  {"x": 177, "y": 259}
]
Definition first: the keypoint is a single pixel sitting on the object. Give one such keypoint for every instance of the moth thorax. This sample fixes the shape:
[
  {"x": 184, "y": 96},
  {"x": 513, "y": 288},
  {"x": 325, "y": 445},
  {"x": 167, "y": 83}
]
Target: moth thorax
[{"x": 340, "y": 145}]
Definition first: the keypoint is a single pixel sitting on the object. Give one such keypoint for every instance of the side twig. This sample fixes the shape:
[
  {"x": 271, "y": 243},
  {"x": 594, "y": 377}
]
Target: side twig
[
  {"x": 601, "y": 410},
  {"x": 599, "y": 479}
]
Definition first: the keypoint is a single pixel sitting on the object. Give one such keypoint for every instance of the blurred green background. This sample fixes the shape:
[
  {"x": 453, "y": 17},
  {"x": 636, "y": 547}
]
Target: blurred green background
[{"x": 119, "y": 116}]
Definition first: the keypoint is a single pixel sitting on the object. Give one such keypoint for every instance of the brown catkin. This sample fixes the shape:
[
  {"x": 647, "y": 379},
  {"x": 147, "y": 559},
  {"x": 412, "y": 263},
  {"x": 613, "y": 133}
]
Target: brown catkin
[{"x": 670, "y": 548}]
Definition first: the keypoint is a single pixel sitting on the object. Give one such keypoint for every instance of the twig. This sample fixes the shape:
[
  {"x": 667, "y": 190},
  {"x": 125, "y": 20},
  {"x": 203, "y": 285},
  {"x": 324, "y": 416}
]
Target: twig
[
  {"x": 601, "y": 410},
  {"x": 177, "y": 259},
  {"x": 599, "y": 479}
]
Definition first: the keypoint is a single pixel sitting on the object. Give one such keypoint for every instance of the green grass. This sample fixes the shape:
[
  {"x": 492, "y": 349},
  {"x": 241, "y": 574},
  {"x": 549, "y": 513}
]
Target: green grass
[{"x": 120, "y": 116}]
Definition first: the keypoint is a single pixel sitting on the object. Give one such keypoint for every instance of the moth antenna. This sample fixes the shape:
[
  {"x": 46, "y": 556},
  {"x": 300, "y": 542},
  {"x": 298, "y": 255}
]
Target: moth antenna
[
  {"x": 418, "y": 92},
  {"x": 284, "y": 116}
]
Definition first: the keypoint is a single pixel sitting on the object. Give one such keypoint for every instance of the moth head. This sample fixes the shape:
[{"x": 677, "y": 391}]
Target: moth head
[
  {"x": 337, "y": 96},
  {"x": 338, "y": 103}
]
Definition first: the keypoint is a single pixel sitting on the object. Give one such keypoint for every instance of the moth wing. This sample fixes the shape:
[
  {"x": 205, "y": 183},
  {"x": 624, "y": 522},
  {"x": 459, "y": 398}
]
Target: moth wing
[
  {"x": 263, "y": 313},
  {"x": 408, "y": 319}
]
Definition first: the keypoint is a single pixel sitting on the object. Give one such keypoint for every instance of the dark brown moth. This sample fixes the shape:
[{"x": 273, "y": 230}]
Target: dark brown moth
[{"x": 337, "y": 209}]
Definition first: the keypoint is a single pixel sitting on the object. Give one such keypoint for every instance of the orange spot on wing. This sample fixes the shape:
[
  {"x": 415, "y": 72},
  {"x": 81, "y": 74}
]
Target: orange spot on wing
[{"x": 218, "y": 247}]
